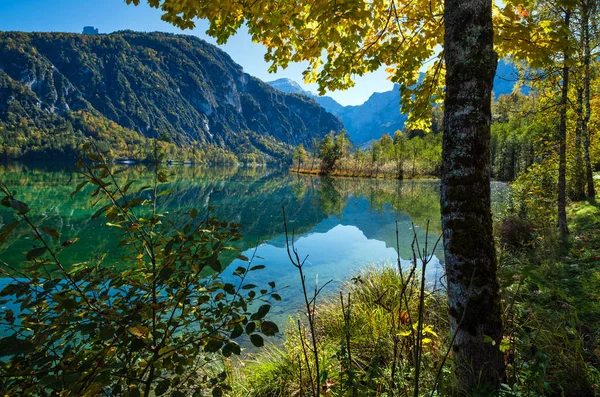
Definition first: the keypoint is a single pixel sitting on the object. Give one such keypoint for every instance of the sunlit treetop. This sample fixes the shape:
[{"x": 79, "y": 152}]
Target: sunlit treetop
[
  {"x": 343, "y": 38},
  {"x": 535, "y": 31}
]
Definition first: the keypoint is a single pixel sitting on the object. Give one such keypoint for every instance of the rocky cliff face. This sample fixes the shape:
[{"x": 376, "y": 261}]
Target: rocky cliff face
[
  {"x": 381, "y": 114},
  {"x": 153, "y": 84},
  {"x": 378, "y": 115},
  {"x": 291, "y": 87}
]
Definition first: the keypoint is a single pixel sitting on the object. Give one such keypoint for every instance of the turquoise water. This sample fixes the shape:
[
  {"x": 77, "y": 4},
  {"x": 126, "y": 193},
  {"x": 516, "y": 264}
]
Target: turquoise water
[{"x": 342, "y": 224}]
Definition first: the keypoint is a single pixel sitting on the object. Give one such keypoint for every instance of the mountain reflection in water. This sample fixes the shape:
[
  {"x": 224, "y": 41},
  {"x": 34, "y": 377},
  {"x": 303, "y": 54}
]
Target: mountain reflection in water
[{"x": 342, "y": 224}]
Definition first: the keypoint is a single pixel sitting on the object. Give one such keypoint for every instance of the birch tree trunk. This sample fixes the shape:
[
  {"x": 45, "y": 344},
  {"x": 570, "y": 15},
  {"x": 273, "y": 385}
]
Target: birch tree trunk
[{"x": 471, "y": 268}]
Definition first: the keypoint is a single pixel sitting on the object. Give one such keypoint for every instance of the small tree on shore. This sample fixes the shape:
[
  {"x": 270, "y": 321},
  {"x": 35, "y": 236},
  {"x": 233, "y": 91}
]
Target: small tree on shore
[
  {"x": 300, "y": 156},
  {"x": 329, "y": 153}
]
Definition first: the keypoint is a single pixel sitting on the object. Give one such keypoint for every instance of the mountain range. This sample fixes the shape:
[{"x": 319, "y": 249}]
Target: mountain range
[
  {"x": 381, "y": 114},
  {"x": 124, "y": 87}
]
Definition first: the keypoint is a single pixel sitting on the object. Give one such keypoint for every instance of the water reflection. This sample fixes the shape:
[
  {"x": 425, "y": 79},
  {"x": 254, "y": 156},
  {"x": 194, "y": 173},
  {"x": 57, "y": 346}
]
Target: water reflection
[{"x": 343, "y": 224}]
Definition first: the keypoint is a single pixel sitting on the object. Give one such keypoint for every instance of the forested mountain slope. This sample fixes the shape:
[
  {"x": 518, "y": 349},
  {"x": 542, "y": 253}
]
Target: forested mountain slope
[{"x": 127, "y": 86}]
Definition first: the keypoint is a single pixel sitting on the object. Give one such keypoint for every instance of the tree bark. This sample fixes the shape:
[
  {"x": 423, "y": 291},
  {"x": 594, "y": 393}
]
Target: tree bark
[
  {"x": 578, "y": 192},
  {"x": 591, "y": 191},
  {"x": 315, "y": 150},
  {"x": 579, "y": 174},
  {"x": 563, "y": 228},
  {"x": 471, "y": 268}
]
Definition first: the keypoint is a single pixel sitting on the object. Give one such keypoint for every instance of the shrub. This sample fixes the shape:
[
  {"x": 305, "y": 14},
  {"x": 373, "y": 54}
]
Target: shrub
[
  {"x": 159, "y": 323},
  {"x": 516, "y": 233}
]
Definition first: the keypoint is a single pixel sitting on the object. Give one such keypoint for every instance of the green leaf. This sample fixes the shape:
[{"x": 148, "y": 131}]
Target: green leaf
[
  {"x": 169, "y": 247},
  {"x": 488, "y": 339},
  {"x": 239, "y": 271},
  {"x": 134, "y": 202},
  {"x": 101, "y": 211},
  {"x": 231, "y": 348},
  {"x": 19, "y": 206},
  {"x": 229, "y": 288},
  {"x": 213, "y": 262},
  {"x": 213, "y": 345},
  {"x": 277, "y": 297},
  {"x": 162, "y": 387},
  {"x": 134, "y": 392},
  {"x": 107, "y": 333},
  {"x": 68, "y": 304},
  {"x": 166, "y": 272},
  {"x": 269, "y": 328},
  {"x": 237, "y": 332},
  {"x": 70, "y": 241},
  {"x": 34, "y": 253},
  {"x": 261, "y": 312},
  {"x": 164, "y": 192},
  {"x": 257, "y": 340},
  {"x": 193, "y": 213},
  {"x": 127, "y": 186},
  {"x": 78, "y": 188},
  {"x": 257, "y": 267},
  {"x": 7, "y": 230},
  {"x": 137, "y": 344},
  {"x": 12, "y": 345},
  {"x": 51, "y": 232},
  {"x": 140, "y": 331},
  {"x": 250, "y": 327},
  {"x": 162, "y": 177}
]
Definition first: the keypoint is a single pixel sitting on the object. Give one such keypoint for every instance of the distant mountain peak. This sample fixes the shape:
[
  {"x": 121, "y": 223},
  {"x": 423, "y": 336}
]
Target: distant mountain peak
[
  {"x": 285, "y": 80},
  {"x": 289, "y": 86}
]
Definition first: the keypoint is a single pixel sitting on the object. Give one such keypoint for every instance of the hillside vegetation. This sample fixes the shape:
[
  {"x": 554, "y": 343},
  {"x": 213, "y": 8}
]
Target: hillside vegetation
[{"x": 121, "y": 88}]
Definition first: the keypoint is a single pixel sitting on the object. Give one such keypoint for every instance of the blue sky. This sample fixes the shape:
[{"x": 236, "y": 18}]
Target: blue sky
[{"x": 111, "y": 15}]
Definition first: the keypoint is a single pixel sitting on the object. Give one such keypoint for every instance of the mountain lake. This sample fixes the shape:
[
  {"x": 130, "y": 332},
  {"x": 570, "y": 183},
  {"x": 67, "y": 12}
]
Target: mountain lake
[{"x": 343, "y": 225}]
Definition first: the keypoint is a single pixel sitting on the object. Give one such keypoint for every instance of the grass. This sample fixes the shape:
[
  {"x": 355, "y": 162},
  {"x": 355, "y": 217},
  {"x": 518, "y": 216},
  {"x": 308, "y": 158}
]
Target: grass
[
  {"x": 380, "y": 331},
  {"x": 553, "y": 313},
  {"x": 552, "y": 329},
  {"x": 268, "y": 374}
]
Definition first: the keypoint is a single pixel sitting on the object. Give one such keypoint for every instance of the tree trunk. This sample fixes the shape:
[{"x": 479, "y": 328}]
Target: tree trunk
[
  {"x": 579, "y": 175},
  {"x": 315, "y": 149},
  {"x": 471, "y": 268},
  {"x": 414, "y": 165},
  {"x": 563, "y": 229},
  {"x": 513, "y": 163},
  {"x": 591, "y": 192}
]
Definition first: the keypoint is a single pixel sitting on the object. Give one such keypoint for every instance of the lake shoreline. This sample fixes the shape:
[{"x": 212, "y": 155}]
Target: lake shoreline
[{"x": 365, "y": 175}]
